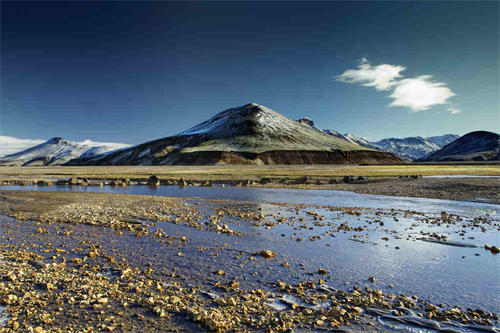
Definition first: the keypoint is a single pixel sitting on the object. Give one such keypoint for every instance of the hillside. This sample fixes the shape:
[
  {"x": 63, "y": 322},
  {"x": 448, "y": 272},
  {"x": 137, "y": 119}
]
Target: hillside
[
  {"x": 250, "y": 134},
  {"x": 55, "y": 151},
  {"x": 408, "y": 149},
  {"x": 474, "y": 146}
]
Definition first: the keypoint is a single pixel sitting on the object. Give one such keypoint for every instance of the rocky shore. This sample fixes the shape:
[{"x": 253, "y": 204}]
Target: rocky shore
[
  {"x": 483, "y": 189},
  {"x": 73, "y": 261}
]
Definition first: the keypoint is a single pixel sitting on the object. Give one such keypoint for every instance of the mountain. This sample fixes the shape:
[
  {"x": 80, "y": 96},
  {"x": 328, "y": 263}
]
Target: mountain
[
  {"x": 408, "y": 149},
  {"x": 474, "y": 146},
  {"x": 443, "y": 140},
  {"x": 55, "y": 151},
  {"x": 249, "y": 134}
]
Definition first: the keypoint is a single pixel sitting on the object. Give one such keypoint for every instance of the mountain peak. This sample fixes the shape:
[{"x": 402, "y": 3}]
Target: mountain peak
[{"x": 56, "y": 140}]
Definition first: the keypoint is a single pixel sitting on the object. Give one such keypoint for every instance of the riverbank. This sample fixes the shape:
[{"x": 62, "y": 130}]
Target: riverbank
[
  {"x": 482, "y": 189},
  {"x": 110, "y": 262}
]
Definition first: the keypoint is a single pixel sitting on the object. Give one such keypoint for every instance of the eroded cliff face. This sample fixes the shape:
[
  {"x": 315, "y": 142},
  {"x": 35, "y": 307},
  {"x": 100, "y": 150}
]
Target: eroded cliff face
[{"x": 286, "y": 157}]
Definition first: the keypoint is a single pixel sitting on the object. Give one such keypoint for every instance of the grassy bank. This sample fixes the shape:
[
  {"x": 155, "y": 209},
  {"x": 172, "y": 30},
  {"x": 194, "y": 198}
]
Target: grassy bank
[{"x": 246, "y": 172}]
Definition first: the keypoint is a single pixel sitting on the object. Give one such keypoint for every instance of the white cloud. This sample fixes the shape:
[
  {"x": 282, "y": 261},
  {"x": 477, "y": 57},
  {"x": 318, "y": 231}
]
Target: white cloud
[
  {"x": 417, "y": 94},
  {"x": 453, "y": 111},
  {"x": 10, "y": 145},
  {"x": 109, "y": 144},
  {"x": 382, "y": 77},
  {"x": 420, "y": 93}
]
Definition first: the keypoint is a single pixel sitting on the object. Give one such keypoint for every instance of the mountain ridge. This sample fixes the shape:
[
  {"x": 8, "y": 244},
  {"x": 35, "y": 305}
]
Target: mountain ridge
[
  {"x": 473, "y": 146},
  {"x": 55, "y": 151},
  {"x": 248, "y": 134},
  {"x": 408, "y": 149}
]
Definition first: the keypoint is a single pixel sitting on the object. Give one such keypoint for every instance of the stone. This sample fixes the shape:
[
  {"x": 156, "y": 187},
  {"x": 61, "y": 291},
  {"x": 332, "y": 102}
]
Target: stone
[
  {"x": 494, "y": 249},
  {"x": 153, "y": 181},
  {"x": 267, "y": 254},
  {"x": 333, "y": 181},
  {"x": 371, "y": 279},
  {"x": 430, "y": 308},
  {"x": 322, "y": 271},
  {"x": 182, "y": 182},
  {"x": 301, "y": 180},
  {"x": 265, "y": 181},
  {"x": 348, "y": 179}
]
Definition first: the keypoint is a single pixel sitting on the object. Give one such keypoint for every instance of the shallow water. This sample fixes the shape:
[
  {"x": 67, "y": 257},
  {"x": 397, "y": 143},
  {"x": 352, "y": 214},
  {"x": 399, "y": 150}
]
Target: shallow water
[
  {"x": 453, "y": 275},
  {"x": 436, "y": 272},
  {"x": 309, "y": 197}
]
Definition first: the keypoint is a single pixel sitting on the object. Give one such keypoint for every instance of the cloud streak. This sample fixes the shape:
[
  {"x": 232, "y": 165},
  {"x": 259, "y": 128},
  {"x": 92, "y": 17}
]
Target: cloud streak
[
  {"x": 10, "y": 145},
  {"x": 417, "y": 94}
]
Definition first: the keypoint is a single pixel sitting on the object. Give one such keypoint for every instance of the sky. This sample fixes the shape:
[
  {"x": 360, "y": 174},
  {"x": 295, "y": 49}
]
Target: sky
[{"x": 130, "y": 72}]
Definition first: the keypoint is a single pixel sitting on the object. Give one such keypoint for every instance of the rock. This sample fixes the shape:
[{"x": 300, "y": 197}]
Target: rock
[
  {"x": 117, "y": 182},
  {"x": 73, "y": 181},
  {"x": 301, "y": 180},
  {"x": 333, "y": 181},
  {"x": 322, "y": 271},
  {"x": 371, "y": 279},
  {"x": 207, "y": 183},
  {"x": 430, "y": 308},
  {"x": 494, "y": 249},
  {"x": 44, "y": 183},
  {"x": 267, "y": 254},
  {"x": 361, "y": 178},
  {"x": 153, "y": 181},
  {"x": 265, "y": 181},
  {"x": 182, "y": 182},
  {"x": 348, "y": 179}
]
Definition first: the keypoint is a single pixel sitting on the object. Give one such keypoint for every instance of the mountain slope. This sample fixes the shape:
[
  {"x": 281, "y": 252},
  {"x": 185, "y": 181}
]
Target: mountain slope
[
  {"x": 408, "y": 149},
  {"x": 55, "y": 151},
  {"x": 250, "y": 134},
  {"x": 474, "y": 146}
]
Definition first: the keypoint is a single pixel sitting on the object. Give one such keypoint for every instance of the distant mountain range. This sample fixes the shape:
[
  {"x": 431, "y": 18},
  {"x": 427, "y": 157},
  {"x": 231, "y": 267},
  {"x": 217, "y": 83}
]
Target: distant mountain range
[
  {"x": 408, "y": 149},
  {"x": 55, "y": 151},
  {"x": 255, "y": 135},
  {"x": 474, "y": 146},
  {"x": 249, "y": 134}
]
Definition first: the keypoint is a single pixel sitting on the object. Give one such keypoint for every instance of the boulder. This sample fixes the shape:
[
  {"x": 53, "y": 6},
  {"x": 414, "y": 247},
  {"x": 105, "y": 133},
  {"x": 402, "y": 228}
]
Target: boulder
[
  {"x": 265, "y": 181},
  {"x": 301, "y": 180},
  {"x": 348, "y": 179},
  {"x": 153, "y": 181},
  {"x": 73, "y": 181},
  {"x": 182, "y": 182}
]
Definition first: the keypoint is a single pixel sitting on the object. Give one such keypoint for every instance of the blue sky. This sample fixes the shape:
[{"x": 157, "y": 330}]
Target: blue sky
[{"x": 136, "y": 71}]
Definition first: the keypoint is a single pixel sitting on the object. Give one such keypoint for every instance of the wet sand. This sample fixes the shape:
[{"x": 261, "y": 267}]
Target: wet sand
[{"x": 110, "y": 262}]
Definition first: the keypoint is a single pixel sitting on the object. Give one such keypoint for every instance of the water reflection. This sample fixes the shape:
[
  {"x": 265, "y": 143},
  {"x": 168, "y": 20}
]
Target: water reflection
[{"x": 312, "y": 197}]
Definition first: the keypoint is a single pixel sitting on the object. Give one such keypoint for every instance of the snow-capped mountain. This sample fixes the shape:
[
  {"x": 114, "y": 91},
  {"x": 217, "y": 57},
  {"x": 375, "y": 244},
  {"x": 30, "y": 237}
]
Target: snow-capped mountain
[
  {"x": 442, "y": 140},
  {"x": 408, "y": 149},
  {"x": 55, "y": 151},
  {"x": 474, "y": 146},
  {"x": 249, "y": 134}
]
